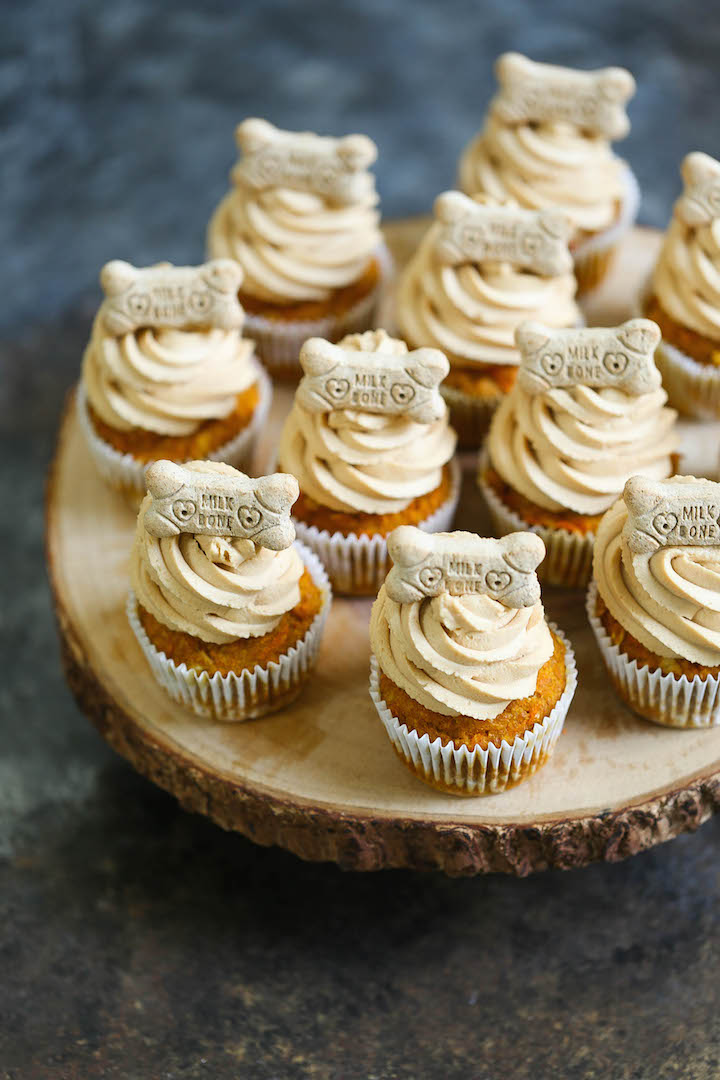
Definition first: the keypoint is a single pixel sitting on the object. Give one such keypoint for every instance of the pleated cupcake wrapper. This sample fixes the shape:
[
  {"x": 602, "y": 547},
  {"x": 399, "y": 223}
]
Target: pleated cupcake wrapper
[
  {"x": 279, "y": 342},
  {"x": 479, "y": 771},
  {"x": 592, "y": 258},
  {"x": 358, "y": 565},
  {"x": 568, "y": 559},
  {"x": 243, "y": 695},
  {"x": 126, "y": 473},
  {"x": 470, "y": 416},
  {"x": 692, "y": 388},
  {"x": 658, "y": 696}
]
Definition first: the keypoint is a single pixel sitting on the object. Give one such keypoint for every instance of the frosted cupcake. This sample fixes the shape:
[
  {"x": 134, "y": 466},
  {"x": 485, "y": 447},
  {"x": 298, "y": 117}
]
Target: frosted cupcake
[
  {"x": 227, "y": 610},
  {"x": 369, "y": 441},
  {"x": 302, "y": 220},
  {"x": 685, "y": 292},
  {"x": 481, "y": 270},
  {"x": 469, "y": 680},
  {"x": 587, "y": 412},
  {"x": 547, "y": 143},
  {"x": 654, "y": 605},
  {"x": 167, "y": 373}
]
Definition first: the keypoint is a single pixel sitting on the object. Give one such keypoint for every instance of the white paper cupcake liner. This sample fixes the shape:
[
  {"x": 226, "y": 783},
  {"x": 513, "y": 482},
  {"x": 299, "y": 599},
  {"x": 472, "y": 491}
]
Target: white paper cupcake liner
[
  {"x": 126, "y": 473},
  {"x": 358, "y": 565},
  {"x": 279, "y": 342},
  {"x": 692, "y": 388},
  {"x": 479, "y": 771},
  {"x": 470, "y": 416},
  {"x": 593, "y": 256},
  {"x": 658, "y": 696},
  {"x": 568, "y": 559},
  {"x": 243, "y": 695}
]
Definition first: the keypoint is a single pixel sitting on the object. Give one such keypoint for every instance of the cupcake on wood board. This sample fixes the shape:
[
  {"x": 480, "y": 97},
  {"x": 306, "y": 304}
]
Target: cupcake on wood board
[
  {"x": 369, "y": 441},
  {"x": 654, "y": 604},
  {"x": 587, "y": 412},
  {"x": 684, "y": 295},
  {"x": 302, "y": 220},
  {"x": 167, "y": 373},
  {"x": 547, "y": 143},
  {"x": 470, "y": 681},
  {"x": 227, "y": 608},
  {"x": 482, "y": 268}
]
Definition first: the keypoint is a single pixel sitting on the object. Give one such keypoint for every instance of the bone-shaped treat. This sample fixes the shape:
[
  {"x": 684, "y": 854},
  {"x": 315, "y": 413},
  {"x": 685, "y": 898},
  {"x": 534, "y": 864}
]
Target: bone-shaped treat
[
  {"x": 334, "y": 168},
  {"x": 699, "y": 203},
  {"x": 181, "y": 297},
  {"x": 215, "y": 504},
  {"x": 545, "y": 93},
  {"x": 535, "y": 240},
  {"x": 459, "y": 563},
  {"x": 682, "y": 512},
  {"x": 375, "y": 382},
  {"x": 619, "y": 356}
]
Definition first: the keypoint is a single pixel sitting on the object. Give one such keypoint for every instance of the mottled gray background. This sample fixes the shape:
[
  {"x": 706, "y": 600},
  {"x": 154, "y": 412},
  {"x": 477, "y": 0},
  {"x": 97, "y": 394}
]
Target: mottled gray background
[{"x": 135, "y": 940}]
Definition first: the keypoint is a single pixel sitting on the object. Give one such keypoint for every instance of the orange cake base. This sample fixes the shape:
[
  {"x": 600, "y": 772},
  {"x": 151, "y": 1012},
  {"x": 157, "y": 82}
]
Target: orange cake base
[
  {"x": 338, "y": 304},
  {"x": 689, "y": 342},
  {"x": 533, "y": 514},
  {"x": 482, "y": 380}
]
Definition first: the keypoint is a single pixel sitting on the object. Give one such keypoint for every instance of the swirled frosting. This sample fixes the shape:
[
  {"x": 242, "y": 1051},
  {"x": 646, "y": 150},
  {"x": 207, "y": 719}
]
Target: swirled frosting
[
  {"x": 669, "y": 599},
  {"x": 357, "y": 461},
  {"x": 471, "y": 311},
  {"x": 292, "y": 245},
  {"x": 686, "y": 281},
  {"x": 574, "y": 449},
  {"x": 546, "y": 165},
  {"x": 215, "y": 588},
  {"x": 460, "y": 655},
  {"x": 166, "y": 381}
]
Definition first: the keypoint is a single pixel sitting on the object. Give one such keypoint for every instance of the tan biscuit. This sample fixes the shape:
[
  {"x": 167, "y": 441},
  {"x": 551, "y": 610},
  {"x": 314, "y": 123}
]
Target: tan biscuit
[
  {"x": 681, "y": 512},
  {"x": 427, "y": 564},
  {"x": 405, "y": 384},
  {"x": 215, "y": 504},
  {"x": 699, "y": 203}
]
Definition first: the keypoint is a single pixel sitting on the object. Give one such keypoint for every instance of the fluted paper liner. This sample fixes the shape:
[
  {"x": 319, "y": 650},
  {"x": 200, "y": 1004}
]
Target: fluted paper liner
[
  {"x": 358, "y": 565},
  {"x": 243, "y": 695},
  {"x": 658, "y": 696},
  {"x": 593, "y": 257},
  {"x": 489, "y": 771},
  {"x": 470, "y": 416},
  {"x": 692, "y": 388},
  {"x": 126, "y": 473}
]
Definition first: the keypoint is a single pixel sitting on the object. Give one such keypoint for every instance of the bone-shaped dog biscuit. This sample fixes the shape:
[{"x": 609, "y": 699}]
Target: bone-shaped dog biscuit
[
  {"x": 334, "y": 168},
  {"x": 535, "y": 240},
  {"x": 181, "y": 297},
  {"x": 545, "y": 93},
  {"x": 682, "y": 512},
  {"x": 459, "y": 563},
  {"x": 699, "y": 203},
  {"x": 215, "y": 504},
  {"x": 375, "y": 382},
  {"x": 620, "y": 356}
]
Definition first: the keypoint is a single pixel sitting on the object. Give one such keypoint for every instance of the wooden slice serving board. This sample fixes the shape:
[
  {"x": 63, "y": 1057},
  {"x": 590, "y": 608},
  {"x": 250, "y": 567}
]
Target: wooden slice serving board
[{"x": 320, "y": 778}]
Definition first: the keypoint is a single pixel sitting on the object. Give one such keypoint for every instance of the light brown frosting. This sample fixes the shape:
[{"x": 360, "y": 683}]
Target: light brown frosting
[
  {"x": 471, "y": 310},
  {"x": 669, "y": 598},
  {"x": 215, "y": 588},
  {"x": 463, "y": 655},
  {"x": 574, "y": 448},
  {"x": 357, "y": 461},
  {"x": 686, "y": 281}
]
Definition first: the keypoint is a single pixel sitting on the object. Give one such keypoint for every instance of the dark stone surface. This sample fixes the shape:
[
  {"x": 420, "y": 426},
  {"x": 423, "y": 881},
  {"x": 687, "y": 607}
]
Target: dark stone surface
[{"x": 135, "y": 940}]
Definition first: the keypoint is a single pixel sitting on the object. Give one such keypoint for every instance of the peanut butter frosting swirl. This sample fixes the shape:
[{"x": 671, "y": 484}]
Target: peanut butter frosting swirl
[
  {"x": 294, "y": 246},
  {"x": 362, "y": 462},
  {"x": 668, "y": 599},
  {"x": 471, "y": 310},
  {"x": 574, "y": 448},
  {"x": 215, "y": 588},
  {"x": 686, "y": 281},
  {"x": 460, "y": 655},
  {"x": 165, "y": 380}
]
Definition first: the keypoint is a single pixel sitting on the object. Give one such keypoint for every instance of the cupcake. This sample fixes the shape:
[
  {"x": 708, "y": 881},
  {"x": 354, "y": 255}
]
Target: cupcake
[
  {"x": 654, "y": 604},
  {"x": 482, "y": 269},
  {"x": 684, "y": 297},
  {"x": 586, "y": 413},
  {"x": 167, "y": 374},
  {"x": 302, "y": 220},
  {"x": 369, "y": 441},
  {"x": 547, "y": 143},
  {"x": 228, "y": 611},
  {"x": 470, "y": 681}
]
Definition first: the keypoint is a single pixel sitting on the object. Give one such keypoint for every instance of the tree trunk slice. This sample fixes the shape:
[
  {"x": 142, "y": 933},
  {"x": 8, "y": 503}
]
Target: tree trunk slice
[{"x": 320, "y": 778}]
